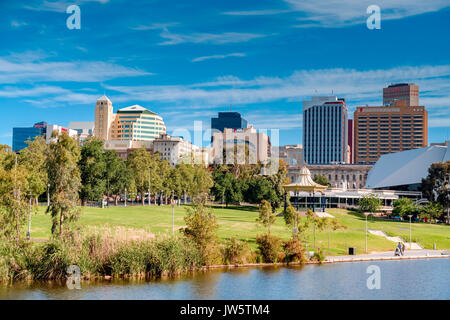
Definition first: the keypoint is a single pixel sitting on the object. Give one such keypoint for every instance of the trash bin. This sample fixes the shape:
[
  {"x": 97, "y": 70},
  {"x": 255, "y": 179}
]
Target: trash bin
[{"x": 351, "y": 251}]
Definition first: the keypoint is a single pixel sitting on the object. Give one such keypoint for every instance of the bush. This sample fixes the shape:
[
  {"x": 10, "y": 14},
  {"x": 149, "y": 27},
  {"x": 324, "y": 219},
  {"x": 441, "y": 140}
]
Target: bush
[
  {"x": 318, "y": 256},
  {"x": 268, "y": 246},
  {"x": 293, "y": 250},
  {"x": 237, "y": 252}
]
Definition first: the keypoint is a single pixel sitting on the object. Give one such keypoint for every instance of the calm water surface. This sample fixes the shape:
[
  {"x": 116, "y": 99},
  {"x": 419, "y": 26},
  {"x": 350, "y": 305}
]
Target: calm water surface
[{"x": 412, "y": 279}]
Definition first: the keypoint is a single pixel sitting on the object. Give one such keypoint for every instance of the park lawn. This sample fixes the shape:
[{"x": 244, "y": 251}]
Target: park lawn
[{"x": 240, "y": 222}]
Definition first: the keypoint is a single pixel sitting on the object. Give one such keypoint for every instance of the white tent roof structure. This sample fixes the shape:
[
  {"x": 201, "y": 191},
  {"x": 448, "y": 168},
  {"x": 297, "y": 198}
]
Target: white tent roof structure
[{"x": 406, "y": 167}]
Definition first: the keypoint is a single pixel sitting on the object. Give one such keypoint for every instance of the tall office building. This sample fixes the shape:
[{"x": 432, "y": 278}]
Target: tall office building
[
  {"x": 22, "y": 135},
  {"x": 388, "y": 129},
  {"x": 351, "y": 142},
  {"x": 134, "y": 123},
  {"x": 230, "y": 120},
  {"x": 408, "y": 92},
  {"x": 325, "y": 130}
]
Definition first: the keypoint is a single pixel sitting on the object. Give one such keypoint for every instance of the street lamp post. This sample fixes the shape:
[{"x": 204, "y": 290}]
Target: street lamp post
[
  {"x": 29, "y": 220},
  {"x": 366, "y": 214},
  {"x": 410, "y": 242},
  {"x": 149, "y": 172},
  {"x": 48, "y": 195},
  {"x": 173, "y": 215},
  {"x": 125, "y": 197}
]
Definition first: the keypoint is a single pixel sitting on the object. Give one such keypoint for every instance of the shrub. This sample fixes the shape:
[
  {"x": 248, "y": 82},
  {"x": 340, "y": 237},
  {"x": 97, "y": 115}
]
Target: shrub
[
  {"x": 268, "y": 246},
  {"x": 293, "y": 250},
  {"x": 237, "y": 252},
  {"x": 318, "y": 256}
]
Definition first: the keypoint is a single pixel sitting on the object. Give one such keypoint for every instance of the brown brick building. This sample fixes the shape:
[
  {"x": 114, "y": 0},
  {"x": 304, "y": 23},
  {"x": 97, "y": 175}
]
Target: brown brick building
[
  {"x": 388, "y": 129},
  {"x": 408, "y": 92}
]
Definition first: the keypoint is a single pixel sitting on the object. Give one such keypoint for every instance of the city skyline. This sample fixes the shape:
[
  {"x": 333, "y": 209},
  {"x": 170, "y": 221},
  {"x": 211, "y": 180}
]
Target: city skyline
[{"x": 184, "y": 70}]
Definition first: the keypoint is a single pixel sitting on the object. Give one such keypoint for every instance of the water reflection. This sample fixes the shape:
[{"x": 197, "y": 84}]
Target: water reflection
[{"x": 413, "y": 279}]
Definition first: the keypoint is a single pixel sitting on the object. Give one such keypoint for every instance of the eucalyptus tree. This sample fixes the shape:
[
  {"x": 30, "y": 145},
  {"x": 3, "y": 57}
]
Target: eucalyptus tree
[{"x": 65, "y": 181}]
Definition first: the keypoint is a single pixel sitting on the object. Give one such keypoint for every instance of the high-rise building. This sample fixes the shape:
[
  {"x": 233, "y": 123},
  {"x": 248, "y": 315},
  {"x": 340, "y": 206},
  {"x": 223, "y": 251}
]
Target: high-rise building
[
  {"x": 22, "y": 135},
  {"x": 325, "y": 130},
  {"x": 134, "y": 123},
  {"x": 138, "y": 123},
  {"x": 388, "y": 129},
  {"x": 408, "y": 92},
  {"x": 351, "y": 141},
  {"x": 244, "y": 146},
  {"x": 230, "y": 120},
  {"x": 40, "y": 129},
  {"x": 104, "y": 118}
]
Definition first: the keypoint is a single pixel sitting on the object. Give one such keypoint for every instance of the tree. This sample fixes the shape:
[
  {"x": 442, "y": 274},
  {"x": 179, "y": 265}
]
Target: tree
[
  {"x": 13, "y": 197},
  {"x": 118, "y": 177},
  {"x": 201, "y": 227},
  {"x": 93, "y": 170},
  {"x": 435, "y": 185},
  {"x": 430, "y": 211},
  {"x": 33, "y": 158},
  {"x": 404, "y": 207},
  {"x": 369, "y": 203},
  {"x": 276, "y": 196},
  {"x": 186, "y": 179},
  {"x": 266, "y": 216},
  {"x": 321, "y": 179},
  {"x": 202, "y": 182},
  {"x": 65, "y": 181},
  {"x": 226, "y": 187},
  {"x": 139, "y": 163}
]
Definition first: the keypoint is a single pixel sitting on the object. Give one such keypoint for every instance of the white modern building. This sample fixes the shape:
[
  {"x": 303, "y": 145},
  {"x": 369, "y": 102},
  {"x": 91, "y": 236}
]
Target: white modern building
[
  {"x": 325, "y": 131},
  {"x": 173, "y": 148},
  {"x": 242, "y": 145},
  {"x": 405, "y": 170},
  {"x": 56, "y": 129},
  {"x": 83, "y": 128}
]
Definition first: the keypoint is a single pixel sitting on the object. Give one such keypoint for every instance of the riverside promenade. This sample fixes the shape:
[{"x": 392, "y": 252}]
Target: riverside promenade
[{"x": 389, "y": 255}]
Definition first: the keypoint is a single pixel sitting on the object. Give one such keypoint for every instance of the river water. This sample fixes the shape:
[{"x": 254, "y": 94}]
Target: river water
[{"x": 411, "y": 279}]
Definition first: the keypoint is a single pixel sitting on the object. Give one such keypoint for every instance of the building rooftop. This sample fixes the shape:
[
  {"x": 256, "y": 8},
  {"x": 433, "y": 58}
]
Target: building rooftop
[
  {"x": 406, "y": 167},
  {"x": 136, "y": 108}
]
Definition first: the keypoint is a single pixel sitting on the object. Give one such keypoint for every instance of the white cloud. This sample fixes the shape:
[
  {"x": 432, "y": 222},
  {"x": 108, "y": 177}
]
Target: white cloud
[
  {"x": 18, "y": 24},
  {"x": 208, "y": 38},
  {"x": 339, "y": 13},
  {"x": 218, "y": 56},
  {"x": 57, "y": 6},
  {"x": 17, "y": 69}
]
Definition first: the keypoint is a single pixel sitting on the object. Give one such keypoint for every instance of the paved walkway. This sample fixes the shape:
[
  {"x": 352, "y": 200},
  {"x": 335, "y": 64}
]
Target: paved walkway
[
  {"x": 411, "y": 246},
  {"x": 413, "y": 254}
]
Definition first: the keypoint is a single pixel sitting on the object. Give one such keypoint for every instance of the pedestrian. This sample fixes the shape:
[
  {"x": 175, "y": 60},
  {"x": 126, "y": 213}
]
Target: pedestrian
[
  {"x": 403, "y": 248},
  {"x": 399, "y": 246}
]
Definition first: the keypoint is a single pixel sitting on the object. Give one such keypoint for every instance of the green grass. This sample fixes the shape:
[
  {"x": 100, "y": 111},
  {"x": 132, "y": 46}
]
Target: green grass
[{"x": 240, "y": 222}]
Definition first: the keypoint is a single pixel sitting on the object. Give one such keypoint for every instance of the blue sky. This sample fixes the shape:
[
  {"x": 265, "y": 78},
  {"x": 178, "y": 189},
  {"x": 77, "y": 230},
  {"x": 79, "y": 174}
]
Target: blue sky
[{"x": 187, "y": 60}]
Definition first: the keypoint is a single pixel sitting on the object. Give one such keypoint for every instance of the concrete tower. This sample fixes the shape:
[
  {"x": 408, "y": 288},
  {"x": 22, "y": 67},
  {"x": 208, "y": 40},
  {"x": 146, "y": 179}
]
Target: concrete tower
[{"x": 104, "y": 118}]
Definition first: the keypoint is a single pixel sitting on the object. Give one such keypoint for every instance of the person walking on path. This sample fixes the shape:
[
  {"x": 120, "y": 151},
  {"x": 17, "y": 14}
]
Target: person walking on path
[
  {"x": 399, "y": 247},
  {"x": 403, "y": 248}
]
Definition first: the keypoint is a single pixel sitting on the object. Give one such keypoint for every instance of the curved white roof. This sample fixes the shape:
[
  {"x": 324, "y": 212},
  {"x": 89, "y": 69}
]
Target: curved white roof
[{"x": 406, "y": 167}]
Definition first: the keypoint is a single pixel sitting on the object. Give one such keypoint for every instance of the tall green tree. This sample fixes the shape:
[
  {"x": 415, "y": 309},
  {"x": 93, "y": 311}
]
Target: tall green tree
[
  {"x": 404, "y": 207},
  {"x": 139, "y": 163},
  {"x": 118, "y": 177},
  {"x": 14, "y": 179},
  {"x": 321, "y": 179},
  {"x": 65, "y": 181},
  {"x": 226, "y": 187},
  {"x": 435, "y": 185},
  {"x": 370, "y": 203},
  {"x": 266, "y": 216},
  {"x": 93, "y": 170},
  {"x": 34, "y": 158}
]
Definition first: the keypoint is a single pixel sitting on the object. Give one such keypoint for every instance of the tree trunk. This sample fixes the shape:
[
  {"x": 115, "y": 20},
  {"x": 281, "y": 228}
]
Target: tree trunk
[
  {"x": 143, "y": 198},
  {"x": 116, "y": 200},
  {"x": 61, "y": 218}
]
